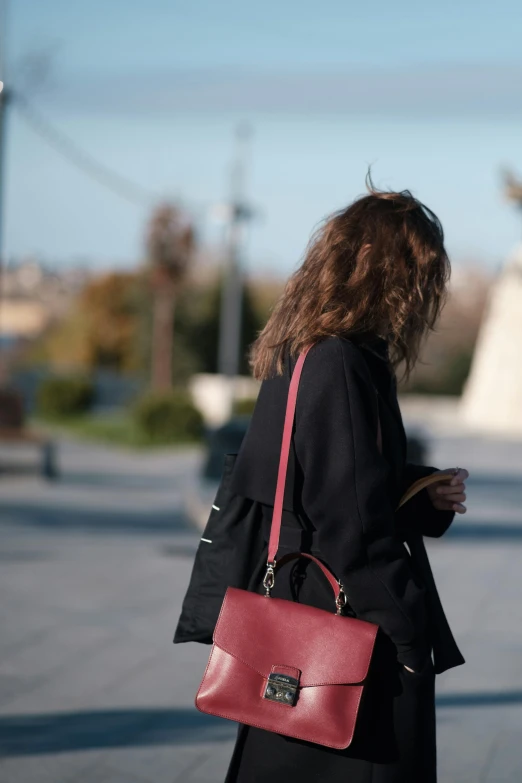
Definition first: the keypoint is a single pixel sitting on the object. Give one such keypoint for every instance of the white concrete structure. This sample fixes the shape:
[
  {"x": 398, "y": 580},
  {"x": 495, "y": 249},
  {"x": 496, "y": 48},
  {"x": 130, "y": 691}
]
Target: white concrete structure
[
  {"x": 214, "y": 394},
  {"x": 492, "y": 398}
]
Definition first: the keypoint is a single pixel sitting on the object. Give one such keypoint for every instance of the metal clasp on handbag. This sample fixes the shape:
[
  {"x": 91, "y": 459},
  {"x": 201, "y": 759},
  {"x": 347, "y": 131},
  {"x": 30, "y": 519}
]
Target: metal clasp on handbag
[{"x": 281, "y": 688}]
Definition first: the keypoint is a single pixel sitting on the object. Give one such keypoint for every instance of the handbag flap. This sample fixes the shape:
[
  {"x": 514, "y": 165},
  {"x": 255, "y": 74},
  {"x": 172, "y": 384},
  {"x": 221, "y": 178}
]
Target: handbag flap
[{"x": 261, "y": 632}]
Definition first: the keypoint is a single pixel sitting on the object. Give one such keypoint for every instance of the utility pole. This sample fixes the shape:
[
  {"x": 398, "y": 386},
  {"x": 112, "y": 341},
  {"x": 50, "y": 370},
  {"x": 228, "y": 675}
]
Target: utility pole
[
  {"x": 4, "y": 100},
  {"x": 239, "y": 213}
]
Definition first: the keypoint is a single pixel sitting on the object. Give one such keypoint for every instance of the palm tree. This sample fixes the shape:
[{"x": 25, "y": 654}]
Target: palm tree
[{"x": 170, "y": 248}]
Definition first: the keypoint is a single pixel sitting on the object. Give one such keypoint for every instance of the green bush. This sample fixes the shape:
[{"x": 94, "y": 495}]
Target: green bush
[
  {"x": 456, "y": 372},
  {"x": 449, "y": 379},
  {"x": 168, "y": 417},
  {"x": 245, "y": 406},
  {"x": 61, "y": 397}
]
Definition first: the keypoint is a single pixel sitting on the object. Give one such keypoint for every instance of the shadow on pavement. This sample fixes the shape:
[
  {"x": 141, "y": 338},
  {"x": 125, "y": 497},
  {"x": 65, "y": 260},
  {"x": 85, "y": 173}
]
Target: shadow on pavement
[
  {"x": 103, "y": 520},
  {"x": 27, "y": 735},
  {"x": 480, "y": 699},
  {"x": 492, "y": 481},
  {"x": 134, "y": 482},
  {"x": 97, "y": 520},
  {"x": 484, "y": 532},
  {"x": 114, "y": 480}
]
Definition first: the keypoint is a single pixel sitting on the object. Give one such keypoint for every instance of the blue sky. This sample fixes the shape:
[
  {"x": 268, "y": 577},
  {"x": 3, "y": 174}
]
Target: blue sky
[{"x": 430, "y": 95}]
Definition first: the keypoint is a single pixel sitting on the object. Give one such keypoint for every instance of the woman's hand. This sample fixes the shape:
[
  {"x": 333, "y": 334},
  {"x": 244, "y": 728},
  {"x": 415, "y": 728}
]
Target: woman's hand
[{"x": 450, "y": 495}]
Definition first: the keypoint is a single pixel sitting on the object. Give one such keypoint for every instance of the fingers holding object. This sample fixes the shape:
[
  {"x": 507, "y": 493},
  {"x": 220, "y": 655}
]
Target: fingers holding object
[
  {"x": 460, "y": 476},
  {"x": 450, "y": 495},
  {"x": 447, "y": 504},
  {"x": 457, "y": 497},
  {"x": 451, "y": 489}
]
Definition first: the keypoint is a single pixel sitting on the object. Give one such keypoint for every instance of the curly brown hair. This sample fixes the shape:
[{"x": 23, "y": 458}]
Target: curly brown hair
[{"x": 377, "y": 267}]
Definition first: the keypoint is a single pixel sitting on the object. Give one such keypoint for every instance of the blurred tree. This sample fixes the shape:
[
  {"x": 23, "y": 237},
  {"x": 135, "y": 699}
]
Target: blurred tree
[
  {"x": 104, "y": 329},
  {"x": 449, "y": 378},
  {"x": 112, "y": 325},
  {"x": 112, "y": 305},
  {"x": 265, "y": 291},
  {"x": 170, "y": 248},
  {"x": 199, "y": 321},
  {"x": 446, "y": 356}
]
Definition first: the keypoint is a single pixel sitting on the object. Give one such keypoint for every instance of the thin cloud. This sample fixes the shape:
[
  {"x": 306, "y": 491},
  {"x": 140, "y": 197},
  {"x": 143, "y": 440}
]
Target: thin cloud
[{"x": 448, "y": 90}]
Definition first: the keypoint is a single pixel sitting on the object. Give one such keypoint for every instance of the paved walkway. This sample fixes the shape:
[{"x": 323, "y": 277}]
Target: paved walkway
[{"x": 92, "y": 572}]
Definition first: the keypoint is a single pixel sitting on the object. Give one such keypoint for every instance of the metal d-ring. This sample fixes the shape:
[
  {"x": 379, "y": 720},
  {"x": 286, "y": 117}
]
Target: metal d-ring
[
  {"x": 269, "y": 580},
  {"x": 340, "y": 601}
]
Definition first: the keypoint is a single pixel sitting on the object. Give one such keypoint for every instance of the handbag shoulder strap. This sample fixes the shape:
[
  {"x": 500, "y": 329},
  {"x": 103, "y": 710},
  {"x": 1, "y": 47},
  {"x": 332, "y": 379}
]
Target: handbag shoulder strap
[{"x": 275, "y": 530}]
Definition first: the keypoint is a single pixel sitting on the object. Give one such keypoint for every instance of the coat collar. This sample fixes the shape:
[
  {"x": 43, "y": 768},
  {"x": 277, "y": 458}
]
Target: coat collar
[{"x": 376, "y": 345}]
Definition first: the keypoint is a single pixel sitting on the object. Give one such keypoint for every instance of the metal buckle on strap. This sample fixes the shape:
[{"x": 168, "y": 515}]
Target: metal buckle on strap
[
  {"x": 340, "y": 601},
  {"x": 269, "y": 580}
]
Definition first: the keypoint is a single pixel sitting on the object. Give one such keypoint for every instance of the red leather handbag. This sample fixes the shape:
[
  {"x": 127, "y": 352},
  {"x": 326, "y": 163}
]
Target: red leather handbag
[{"x": 284, "y": 666}]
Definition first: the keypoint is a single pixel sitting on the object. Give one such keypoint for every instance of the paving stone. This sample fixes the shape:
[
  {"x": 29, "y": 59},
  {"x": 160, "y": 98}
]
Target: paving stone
[{"x": 93, "y": 569}]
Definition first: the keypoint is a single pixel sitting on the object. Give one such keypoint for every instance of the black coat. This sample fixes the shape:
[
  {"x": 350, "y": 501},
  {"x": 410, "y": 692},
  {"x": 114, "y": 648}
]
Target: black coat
[
  {"x": 341, "y": 492},
  {"x": 339, "y": 503}
]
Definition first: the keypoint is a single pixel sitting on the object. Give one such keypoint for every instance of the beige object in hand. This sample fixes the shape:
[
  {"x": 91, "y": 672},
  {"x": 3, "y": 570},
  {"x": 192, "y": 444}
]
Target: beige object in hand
[{"x": 422, "y": 483}]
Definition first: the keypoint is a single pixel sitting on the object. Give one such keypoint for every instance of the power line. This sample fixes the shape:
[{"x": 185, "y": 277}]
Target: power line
[{"x": 69, "y": 149}]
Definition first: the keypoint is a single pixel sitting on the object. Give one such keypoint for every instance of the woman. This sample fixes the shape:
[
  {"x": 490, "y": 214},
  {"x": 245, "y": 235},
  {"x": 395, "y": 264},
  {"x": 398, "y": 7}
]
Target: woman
[{"x": 371, "y": 287}]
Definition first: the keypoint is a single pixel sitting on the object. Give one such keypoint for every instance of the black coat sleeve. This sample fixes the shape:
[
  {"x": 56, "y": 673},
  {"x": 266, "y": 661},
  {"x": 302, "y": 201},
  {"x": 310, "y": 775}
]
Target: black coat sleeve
[
  {"x": 419, "y": 515},
  {"x": 346, "y": 496}
]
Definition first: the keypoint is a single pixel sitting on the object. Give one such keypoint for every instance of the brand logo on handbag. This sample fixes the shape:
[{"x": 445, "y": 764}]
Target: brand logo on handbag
[{"x": 281, "y": 688}]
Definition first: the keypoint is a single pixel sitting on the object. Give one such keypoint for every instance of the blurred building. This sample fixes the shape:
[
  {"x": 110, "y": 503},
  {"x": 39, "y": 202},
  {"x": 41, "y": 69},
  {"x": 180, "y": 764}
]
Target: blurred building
[
  {"x": 492, "y": 398},
  {"x": 33, "y": 296}
]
